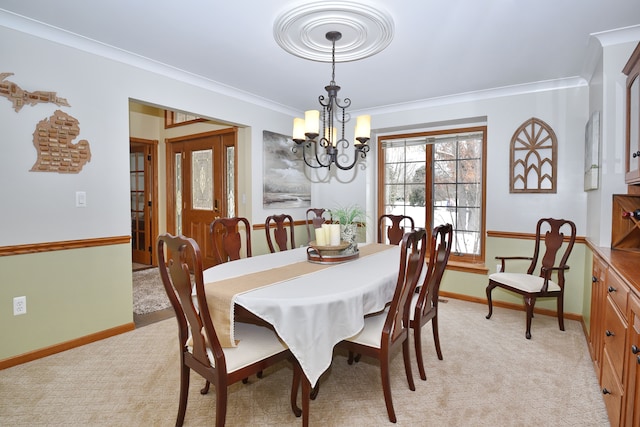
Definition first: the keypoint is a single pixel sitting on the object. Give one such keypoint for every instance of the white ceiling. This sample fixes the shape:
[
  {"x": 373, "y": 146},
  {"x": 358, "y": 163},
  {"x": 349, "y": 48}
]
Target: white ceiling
[{"x": 439, "y": 48}]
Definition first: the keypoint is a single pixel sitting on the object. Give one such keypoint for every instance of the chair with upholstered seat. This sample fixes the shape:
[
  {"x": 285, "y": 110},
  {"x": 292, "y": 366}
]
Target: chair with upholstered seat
[
  {"x": 385, "y": 331},
  {"x": 315, "y": 218},
  {"x": 424, "y": 304},
  {"x": 391, "y": 228},
  {"x": 549, "y": 238},
  {"x": 226, "y": 236},
  {"x": 281, "y": 223},
  {"x": 198, "y": 344}
]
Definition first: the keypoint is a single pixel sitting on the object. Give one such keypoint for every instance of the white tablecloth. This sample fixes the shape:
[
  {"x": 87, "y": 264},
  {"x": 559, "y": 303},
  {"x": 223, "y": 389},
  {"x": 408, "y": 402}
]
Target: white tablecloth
[{"x": 313, "y": 312}]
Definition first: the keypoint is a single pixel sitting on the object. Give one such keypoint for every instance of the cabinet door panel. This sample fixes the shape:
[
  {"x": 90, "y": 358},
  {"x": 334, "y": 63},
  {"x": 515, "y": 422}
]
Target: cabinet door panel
[
  {"x": 633, "y": 365},
  {"x": 614, "y": 336}
]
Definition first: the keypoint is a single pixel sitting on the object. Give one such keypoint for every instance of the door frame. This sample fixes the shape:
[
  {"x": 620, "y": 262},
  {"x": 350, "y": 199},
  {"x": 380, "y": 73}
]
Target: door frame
[{"x": 151, "y": 190}]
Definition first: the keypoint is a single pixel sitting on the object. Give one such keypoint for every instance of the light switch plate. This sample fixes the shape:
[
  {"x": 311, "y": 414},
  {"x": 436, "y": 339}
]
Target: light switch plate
[{"x": 81, "y": 199}]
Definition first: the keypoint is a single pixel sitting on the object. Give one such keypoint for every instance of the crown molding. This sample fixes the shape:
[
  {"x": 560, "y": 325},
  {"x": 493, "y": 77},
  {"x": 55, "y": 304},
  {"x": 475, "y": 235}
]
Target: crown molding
[
  {"x": 53, "y": 34},
  {"x": 522, "y": 89}
]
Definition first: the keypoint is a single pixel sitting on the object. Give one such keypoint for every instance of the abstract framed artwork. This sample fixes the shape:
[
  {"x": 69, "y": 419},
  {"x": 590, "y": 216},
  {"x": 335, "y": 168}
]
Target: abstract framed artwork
[
  {"x": 284, "y": 182},
  {"x": 592, "y": 152}
]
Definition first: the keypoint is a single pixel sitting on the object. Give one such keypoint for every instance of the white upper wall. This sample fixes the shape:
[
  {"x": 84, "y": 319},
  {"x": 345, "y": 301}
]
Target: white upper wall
[
  {"x": 564, "y": 110},
  {"x": 40, "y": 207},
  {"x": 99, "y": 90}
]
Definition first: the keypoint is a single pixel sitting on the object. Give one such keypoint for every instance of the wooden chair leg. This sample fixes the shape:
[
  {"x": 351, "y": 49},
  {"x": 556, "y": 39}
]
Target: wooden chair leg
[
  {"x": 221, "y": 405},
  {"x": 489, "y": 289},
  {"x": 386, "y": 389},
  {"x": 205, "y": 389},
  {"x": 406, "y": 354},
  {"x": 315, "y": 390},
  {"x": 353, "y": 358},
  {"x": 306, "y": 398},
  {"x": 561, "y": 312},
  {"x": 436, "y": 335},
  {"x": 417, "y": 343},
  {"x": 529, "y": 303},
  {"x": 184, "y": 394}
]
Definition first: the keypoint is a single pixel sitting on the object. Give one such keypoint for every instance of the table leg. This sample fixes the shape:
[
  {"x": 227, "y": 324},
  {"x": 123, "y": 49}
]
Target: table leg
[{"x": 298, "y": 376}]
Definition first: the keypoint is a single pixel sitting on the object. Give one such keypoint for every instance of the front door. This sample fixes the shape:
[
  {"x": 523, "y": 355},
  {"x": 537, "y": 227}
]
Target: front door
[{"x": 203, "y": 185}]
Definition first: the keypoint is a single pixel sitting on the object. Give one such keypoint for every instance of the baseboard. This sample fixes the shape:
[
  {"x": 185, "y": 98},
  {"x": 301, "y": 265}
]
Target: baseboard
[
  {"x": 67, "y": 345},
  {"x": 509, "y": 305}
]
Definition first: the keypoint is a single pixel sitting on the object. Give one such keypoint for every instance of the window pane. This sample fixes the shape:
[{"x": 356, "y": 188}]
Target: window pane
[
  {"x": 202, "y": 180},
  {"x": 444, "y": 171},
  {"x": 445, "y": 150},
  {"x": 231, "y": 201},
  {"x": 177, "y": 163}
]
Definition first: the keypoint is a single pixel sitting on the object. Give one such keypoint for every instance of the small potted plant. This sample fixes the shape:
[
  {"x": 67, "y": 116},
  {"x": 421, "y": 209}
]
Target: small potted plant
[{"x": 350, "y": 218}]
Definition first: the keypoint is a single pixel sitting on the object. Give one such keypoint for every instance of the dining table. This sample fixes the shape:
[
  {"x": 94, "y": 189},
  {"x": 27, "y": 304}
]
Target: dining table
[{"x": 312, "y": 306}]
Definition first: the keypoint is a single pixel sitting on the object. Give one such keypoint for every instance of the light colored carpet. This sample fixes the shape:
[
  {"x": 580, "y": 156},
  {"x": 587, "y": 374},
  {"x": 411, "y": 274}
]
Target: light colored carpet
[
  {"x": 490, "y": 376},
  {"x": 148, "y": 292}
]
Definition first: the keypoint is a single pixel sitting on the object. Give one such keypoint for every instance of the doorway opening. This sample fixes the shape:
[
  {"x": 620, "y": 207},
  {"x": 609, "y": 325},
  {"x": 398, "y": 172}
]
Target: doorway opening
[
  {"x": 157, "y": 136},
  {"x": 143, "y": 193}
]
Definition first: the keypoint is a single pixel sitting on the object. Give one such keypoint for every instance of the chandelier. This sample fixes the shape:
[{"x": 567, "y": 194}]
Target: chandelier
[{"x": 320, "y": 143}]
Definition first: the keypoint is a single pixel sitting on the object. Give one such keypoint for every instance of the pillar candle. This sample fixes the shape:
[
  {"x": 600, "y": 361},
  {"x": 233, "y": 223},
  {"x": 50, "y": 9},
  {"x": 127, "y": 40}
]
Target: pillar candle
[
  {"x": 335, "y": 234},
  {"x": 320, "y": 237},
  {"x": 326, "y": 228}
]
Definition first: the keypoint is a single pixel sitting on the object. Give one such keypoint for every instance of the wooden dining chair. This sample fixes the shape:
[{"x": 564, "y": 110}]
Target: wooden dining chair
[
  {"x": 315, "y": 218},
  {"x": 281, "y": 223},
  {"x": 200, "y": 350},
  {"x": 424, "y": 304},
  {"x": 531, "y": 285},
  {"x": 391, "y": 228},
  {"x": 385, "y": 331},
  {"x": 227, "y": 239}
]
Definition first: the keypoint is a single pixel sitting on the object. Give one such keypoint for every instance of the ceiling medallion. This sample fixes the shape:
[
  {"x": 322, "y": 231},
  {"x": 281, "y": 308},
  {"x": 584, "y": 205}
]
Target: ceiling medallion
[{"x": 302, "y": 31}]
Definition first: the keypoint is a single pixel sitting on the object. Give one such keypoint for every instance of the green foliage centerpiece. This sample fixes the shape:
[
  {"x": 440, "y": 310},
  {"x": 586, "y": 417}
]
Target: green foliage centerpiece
[{"x": 350, "y": 218}]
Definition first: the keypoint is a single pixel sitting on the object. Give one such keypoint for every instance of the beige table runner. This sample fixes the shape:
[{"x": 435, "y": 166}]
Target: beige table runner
[{"x": 220, "y": 294}]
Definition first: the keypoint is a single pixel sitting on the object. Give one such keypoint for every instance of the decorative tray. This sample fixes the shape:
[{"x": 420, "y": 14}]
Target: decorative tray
[
  {"x": 329, "y": 250},
  {"x": 331, "y": 254}
]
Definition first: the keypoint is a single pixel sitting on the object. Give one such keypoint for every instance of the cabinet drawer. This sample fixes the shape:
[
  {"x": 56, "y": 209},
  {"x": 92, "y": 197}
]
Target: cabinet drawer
[
  {"x": 617, "y": 290},
  {"x": 615, "y": 331},
  {"x": 612, "y": 392}
]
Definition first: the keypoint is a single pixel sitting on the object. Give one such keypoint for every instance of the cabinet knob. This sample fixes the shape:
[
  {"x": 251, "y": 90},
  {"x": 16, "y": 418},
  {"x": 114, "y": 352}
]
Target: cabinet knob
[
  {"x": 594, "y": 279},
  {"x": 609, "y": 333},
  {"x": 611, "y": 289},
  {"x": 634, "y": 349},
  {"x": 605, "y": 391}
]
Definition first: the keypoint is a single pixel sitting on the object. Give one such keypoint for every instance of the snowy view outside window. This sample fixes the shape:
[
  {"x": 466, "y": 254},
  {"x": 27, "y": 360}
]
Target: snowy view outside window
[{"x": 437, "y": 179}]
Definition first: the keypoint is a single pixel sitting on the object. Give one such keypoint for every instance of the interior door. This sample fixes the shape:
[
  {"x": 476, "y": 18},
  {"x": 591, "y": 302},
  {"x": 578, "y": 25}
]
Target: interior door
[
  {"x": 204, "y": 185},
  {"x": 140, "y": 169}
]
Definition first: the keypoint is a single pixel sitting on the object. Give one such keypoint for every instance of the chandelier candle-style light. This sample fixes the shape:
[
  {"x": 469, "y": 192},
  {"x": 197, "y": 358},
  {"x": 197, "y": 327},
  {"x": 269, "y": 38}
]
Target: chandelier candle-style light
[{"x": 322, "y": 152}]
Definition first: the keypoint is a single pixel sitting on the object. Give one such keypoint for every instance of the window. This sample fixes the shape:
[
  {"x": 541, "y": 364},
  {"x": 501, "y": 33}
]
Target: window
[
  {"x": 176, "y": 118},
  {"x": 437, "y": 178}
]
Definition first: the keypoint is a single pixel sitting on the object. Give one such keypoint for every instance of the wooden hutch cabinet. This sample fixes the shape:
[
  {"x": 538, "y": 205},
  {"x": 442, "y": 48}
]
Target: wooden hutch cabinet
[
  {"x": 614, "y": 329},
  {"x": 632, "y": 411},
  {"x": 632, "y": 70},
  {"x": 614, "y": 334}
]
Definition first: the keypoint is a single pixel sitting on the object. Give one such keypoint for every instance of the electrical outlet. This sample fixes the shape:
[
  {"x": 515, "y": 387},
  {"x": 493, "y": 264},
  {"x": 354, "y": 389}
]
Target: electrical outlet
[{"x": 19, "y": 305}]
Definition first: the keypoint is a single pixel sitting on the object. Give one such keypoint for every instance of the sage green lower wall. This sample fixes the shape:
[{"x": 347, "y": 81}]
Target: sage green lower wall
[
  {"x": 475, "y": 285},
  {"x": 78, "y": 292},
  {"x": 70, "y": 294}
]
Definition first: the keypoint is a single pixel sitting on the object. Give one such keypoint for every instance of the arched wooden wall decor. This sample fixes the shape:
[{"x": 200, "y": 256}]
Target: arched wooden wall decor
[{"x": 533, "y": 158}]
